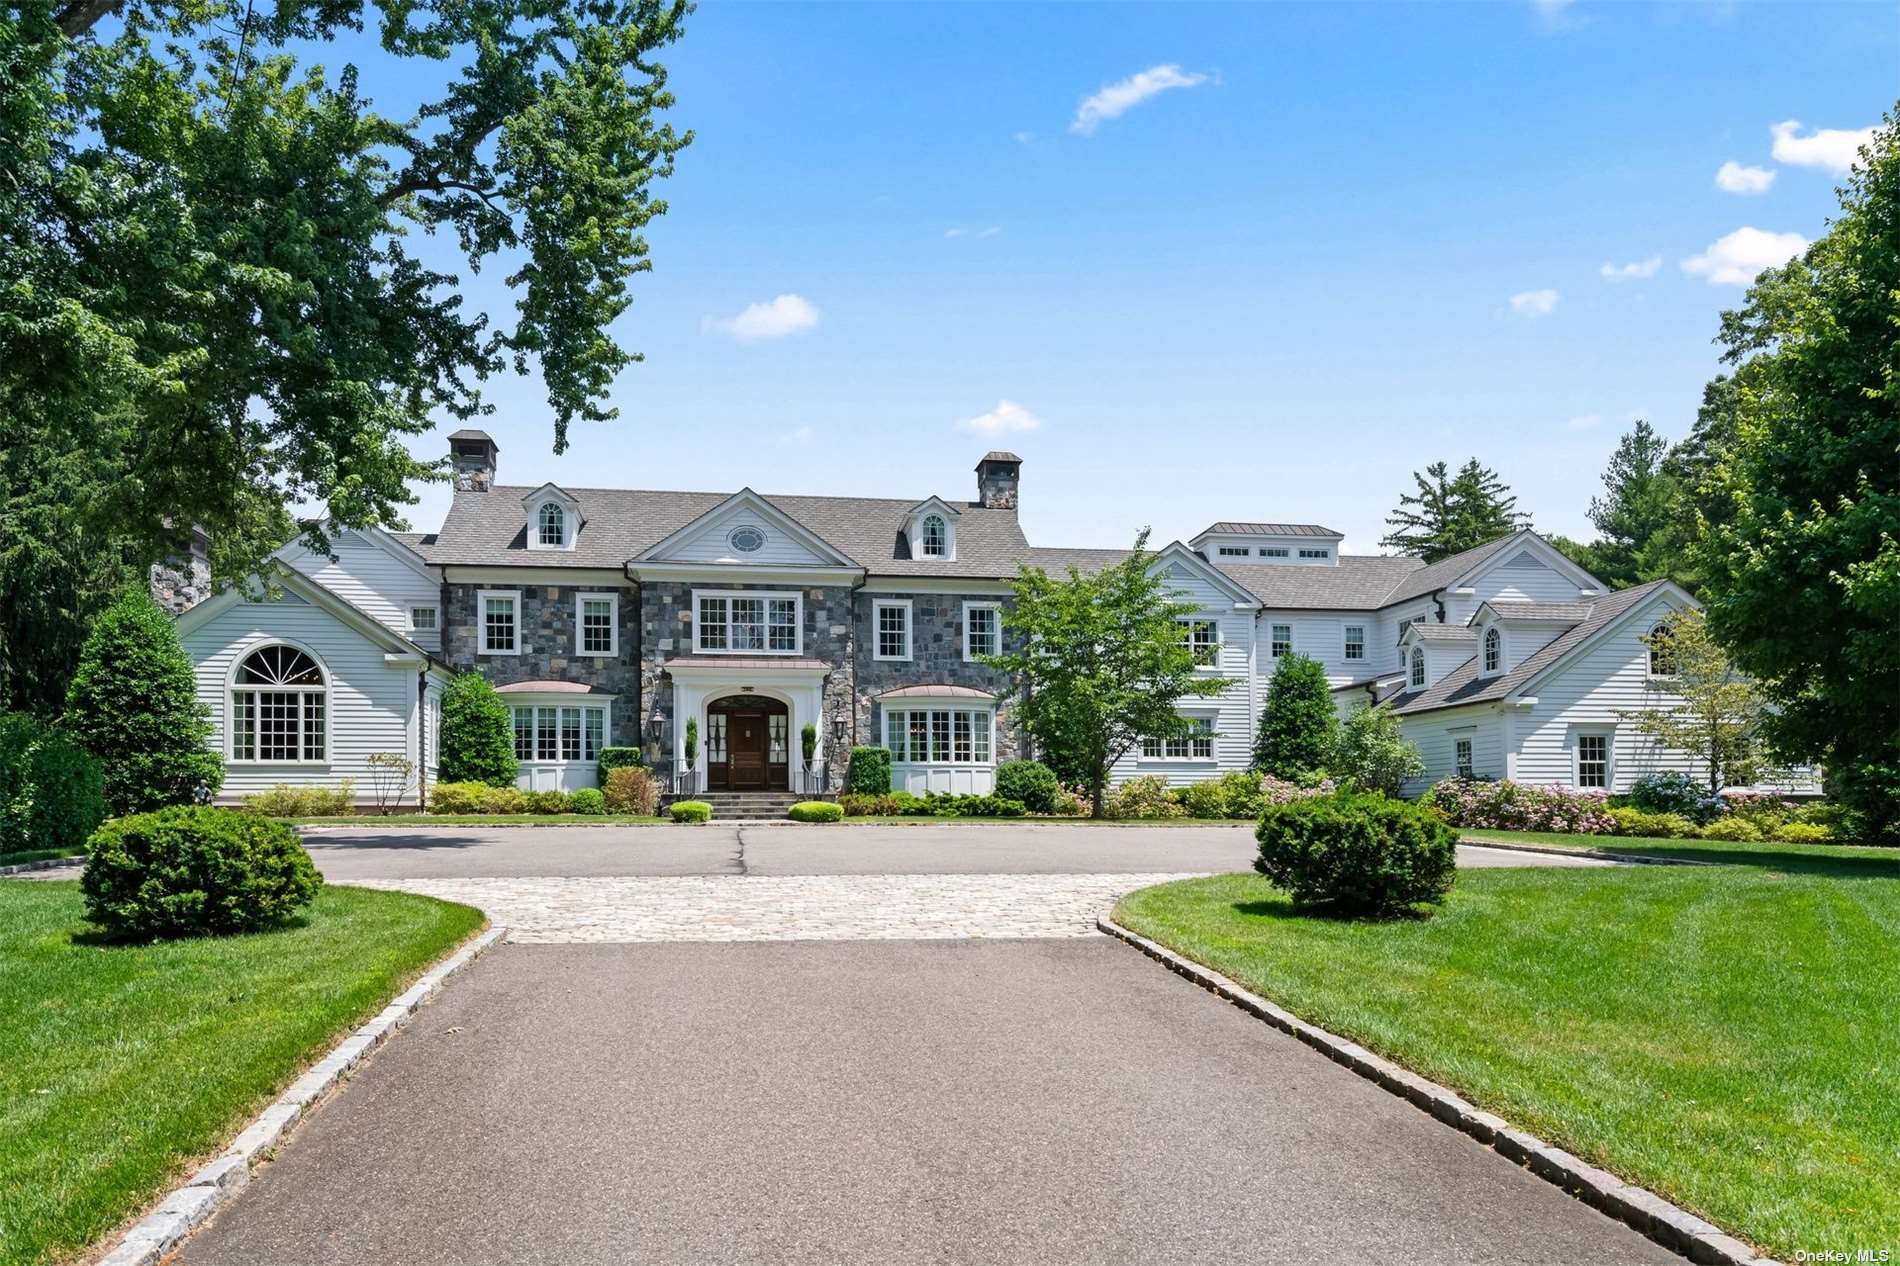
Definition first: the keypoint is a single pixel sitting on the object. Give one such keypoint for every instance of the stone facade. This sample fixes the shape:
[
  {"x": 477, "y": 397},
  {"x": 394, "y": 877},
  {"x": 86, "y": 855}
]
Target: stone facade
[
  {"x": 183, "y": 579},
  {"x": 547, "y": 640},
  {"x": 936, "y": 650}
]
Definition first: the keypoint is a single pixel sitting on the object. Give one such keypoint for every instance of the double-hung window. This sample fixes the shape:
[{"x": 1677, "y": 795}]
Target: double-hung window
[
  {"x": 422, "y": 620},
  {"x": 1461, "y": 757},
  {"x": 1196, "y": 744},
  {"x": 1355, "y": 641},
  {"x": 891, "y": 631},
  {"x": 1281, "y": 642},
  {"x": 738, "y": 623},
  {"x": 982, "y": 630},
  {"x": 1202, "y": 638},
  {"x": 1593, "y": 760},
  {"x": 500, "y": 621},
  {"x": 559, "y": 732},
  {"x": 596, "y": 624},
  {"x": 939, "y": 736}
]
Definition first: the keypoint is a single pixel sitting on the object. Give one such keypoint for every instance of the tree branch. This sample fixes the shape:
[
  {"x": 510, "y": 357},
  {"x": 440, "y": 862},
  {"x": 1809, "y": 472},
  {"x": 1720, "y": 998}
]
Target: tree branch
[
  {"x": 81, "y": 16},
  {"x": 436, "y": 184}
]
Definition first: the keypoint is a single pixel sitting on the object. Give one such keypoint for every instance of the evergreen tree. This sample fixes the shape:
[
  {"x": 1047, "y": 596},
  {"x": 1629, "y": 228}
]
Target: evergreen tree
[
  {"x": 1298, "y": 726},
  {"x": 478, "y": 734},
  {"x": 1450, "y": 514},
  {"x": 1636, "y": 515},
  {"x": 134, "y": 705}
]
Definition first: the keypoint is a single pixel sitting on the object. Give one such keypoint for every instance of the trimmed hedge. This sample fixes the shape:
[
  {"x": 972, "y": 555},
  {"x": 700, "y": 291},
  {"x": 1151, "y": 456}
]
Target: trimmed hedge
[
  {"x": 1029, "y": 781},
  {"x": 691, "y": 811},
  {"x": 193, "y": 871},
  {"x": 816, "y": 811},
  {"x": 1357, "y": 852},
  {"x": 286, "y": 801},
  {"x": 869, "y": 772},
  {"x": 589, "y": 801},
  {"x": 612, "y": 758},
  {"x": 52, "y": 794}
]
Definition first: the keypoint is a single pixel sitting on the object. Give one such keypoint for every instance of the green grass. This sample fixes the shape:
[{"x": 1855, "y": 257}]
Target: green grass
[
  {"x": 1768, "y": 852},
  {"x": 121, "y": 1064},
  {"x": 39, "y": 855},
  {"x": 1721, "y": 1035},
  {"x": 928, "y": 818},
  {"x": 478, "y": 819}
]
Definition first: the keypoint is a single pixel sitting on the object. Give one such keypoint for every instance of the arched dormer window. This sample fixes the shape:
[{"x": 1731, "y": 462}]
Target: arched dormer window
[
  {"x": 936, "y": 537},
  {"x": 279, "y": 707},
  {"x": 1493, "y": 650},
  {"x": 553, "y": 529},
  {"x": 1418, "y": 668},
  {"x": 1662, "y": 650}
]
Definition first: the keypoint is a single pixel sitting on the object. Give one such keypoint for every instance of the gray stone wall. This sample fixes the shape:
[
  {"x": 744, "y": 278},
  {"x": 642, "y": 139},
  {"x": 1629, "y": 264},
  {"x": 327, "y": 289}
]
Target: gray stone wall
[
  {"x": 936, "y": 648},
  {"x": 183, "y": 578},
  {"x": 547, "y": 645}
]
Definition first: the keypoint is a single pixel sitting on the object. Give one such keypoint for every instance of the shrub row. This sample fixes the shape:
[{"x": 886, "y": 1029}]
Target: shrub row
[
  {"x": 286, "y": 801},
  {"x": 1513, "y": 806},
  {"x": 51, "y": 792},
  {"x": 939, "y": 804},
  {"x": 1238, "y": 794},
  {"x": 479, "y": 797},
  {"x": 1686, "y": 811}
]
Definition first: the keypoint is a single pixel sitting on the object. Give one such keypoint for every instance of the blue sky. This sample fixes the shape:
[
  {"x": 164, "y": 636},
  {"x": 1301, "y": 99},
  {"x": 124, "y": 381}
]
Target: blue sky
[{"x": 1267, "y": 280}]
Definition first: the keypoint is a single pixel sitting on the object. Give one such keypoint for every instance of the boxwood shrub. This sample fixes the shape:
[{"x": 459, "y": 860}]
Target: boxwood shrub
[
  {"x": 590, "y": 801},
  {"x": 1029, "y": 781},
  {"x": 51, "y": 789},
  {"x": 869, "y": 773},
  {"x": 1357, "y": 852},
  {"x": 194, "y": 870},
  {"x": 816, "y": 811},
  {"x": 691, "y": 811}
]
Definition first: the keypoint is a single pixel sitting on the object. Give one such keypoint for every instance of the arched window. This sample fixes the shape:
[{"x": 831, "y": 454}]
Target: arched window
[
  {"x": 1662, "y": 650},
  {"x": 936, "y": 537},
  {"x": 279, "y": 707},
  {"x": 1493, "y": 651},
  {"x": 553, "y": 524},
  {"x": 1418, "y": 667}
]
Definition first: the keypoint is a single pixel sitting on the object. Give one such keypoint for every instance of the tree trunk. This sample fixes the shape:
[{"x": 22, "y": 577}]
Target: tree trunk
[{"x": 1097, "y": 783}]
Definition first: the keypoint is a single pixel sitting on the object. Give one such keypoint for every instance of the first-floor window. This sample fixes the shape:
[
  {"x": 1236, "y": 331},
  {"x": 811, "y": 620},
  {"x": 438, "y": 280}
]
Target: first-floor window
[
  {"x": 1202, "y": 638},
  {"x": 1593, "y": 760},
  {"x": 1461, "y": 760},
  {"x": 1196, "y": 744},
  {"x": 551, "y": 732},
  {"x": 279, "y": 707},
  {"x": 939, "y": 736}
]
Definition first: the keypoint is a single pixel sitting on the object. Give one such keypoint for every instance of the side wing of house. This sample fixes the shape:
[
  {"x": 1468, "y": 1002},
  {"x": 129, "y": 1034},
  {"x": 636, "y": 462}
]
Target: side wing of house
[
  {"x": 1468, "y": 742},
  {"x": 375, "y": 575},
  {"x": 301, "y": 693}
]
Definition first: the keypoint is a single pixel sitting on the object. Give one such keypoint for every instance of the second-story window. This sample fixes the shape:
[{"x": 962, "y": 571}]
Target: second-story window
[
  {"x": 1418, "y": 668},
  {"x": 982, "y": 630},
  {"x": 893, "y": 630},
  {"x": 1202, "y": 638},
  {"x": 936, "y": 537},
  {"x": 553, "y": 525},
  {"x": 1282, "y": 640},
  {"x": 1355, "y": 641},
  {"x": 1493, "y": 650}
]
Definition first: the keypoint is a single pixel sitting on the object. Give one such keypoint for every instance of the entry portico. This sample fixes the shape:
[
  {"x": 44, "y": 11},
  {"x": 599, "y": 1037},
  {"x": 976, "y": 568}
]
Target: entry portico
[{"x": 749, "y": 712}]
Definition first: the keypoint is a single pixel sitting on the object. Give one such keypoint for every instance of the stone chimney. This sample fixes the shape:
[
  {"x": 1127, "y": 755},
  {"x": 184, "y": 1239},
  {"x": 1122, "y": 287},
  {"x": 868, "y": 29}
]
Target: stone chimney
[
  {"x": 182, "y": 579},
  {"x": 997, "y": 477},
  {"x": 473, "y": 453}
]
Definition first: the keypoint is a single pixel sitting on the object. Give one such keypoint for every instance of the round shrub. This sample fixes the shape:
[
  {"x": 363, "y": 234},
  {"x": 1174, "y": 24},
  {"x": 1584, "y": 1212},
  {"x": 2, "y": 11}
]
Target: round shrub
[
  {"x": 1243, "y": 793},
  {"x": 1029, "y": 781},
  {"x": 1803, "y": 833},
  {"x": 547, "y": 802},
  {"x": 1673, "y": 792},
  {"x": 1734, "y": 830},
  {"x": 457, "y": 797},
  {"x": 1206, "y": 799},
  {"x": 633, "y": 789},
  {"x": 816, "y": 811},
  {"x": 588, "y": 800},
  {"x": 194, "y": 870},
  {"x": 691, "y": 811},
  {"x": 51, "y": 790},
  {"x": 1664, "y": 826},
  {"x": 1357, "y": 852},
  {"x": 869, "y": 772},
  {"x": 1145, "y": 796}
]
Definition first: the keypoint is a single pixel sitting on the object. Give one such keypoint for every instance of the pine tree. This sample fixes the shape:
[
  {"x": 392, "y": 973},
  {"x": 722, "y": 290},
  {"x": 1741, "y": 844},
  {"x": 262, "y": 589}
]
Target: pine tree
[
  {"x": 1450, "y": 514},
  {"x": 1636, "y": 516},
  {"x": 134, "y": 705}
]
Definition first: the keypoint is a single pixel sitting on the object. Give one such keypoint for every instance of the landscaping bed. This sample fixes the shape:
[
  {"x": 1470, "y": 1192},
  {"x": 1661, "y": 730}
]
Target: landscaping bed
[
  {"x": 120, "y": 1064},
  {"x": 480, "y": 819},
  {"x": 1720, "y": 1035}
]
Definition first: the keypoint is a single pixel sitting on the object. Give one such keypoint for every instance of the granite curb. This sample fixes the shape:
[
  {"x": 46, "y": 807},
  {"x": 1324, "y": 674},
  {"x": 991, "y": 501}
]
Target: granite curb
[
  {"x": 1673, "y": 1228},
  {"x": 1633, "y": 859},
  {"x": 45, "y": 863},
  {"x": 159, "y": 1233}
]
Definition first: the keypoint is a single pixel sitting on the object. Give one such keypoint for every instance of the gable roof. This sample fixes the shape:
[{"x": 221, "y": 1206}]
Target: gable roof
[
  {"x": 1357, "y": 583},
  {"x": 1462, "y": 685},
  {"x": 1555, "y": 612},
  {"x": 656, "y": 552},
  {"x": 1432, "y": 632},
  {"x": 316, "y": 594},
  {"x": 1440, "y": 575}
]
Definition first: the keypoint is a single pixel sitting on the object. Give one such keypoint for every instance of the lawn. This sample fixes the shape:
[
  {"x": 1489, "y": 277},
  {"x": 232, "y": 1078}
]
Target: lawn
[
  {"x": 1767, "y": 852},
  {"x": 1720, "y": 1035},
  {"x": 478, "y": 819},
  {"x": 121, "y": 1064}
]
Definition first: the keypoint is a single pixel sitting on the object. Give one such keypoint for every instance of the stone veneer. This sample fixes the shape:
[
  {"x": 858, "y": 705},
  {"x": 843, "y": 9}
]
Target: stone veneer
[
  {"x": 936, "y": 659},
  {"x": 547, "y": 645}
]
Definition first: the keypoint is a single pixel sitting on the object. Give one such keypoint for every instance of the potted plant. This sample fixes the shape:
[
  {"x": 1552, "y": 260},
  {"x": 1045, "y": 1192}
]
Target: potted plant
[
  {"x": 692, "y": 741},
  {"x": 808, "y": 740}
]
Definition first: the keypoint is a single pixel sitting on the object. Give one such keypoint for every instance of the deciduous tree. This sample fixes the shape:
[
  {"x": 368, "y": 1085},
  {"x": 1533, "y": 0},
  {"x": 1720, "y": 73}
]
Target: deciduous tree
[{"x": 1701, "y": 703}]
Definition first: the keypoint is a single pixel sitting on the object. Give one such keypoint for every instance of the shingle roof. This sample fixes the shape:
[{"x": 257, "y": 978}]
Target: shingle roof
[
  {"x": 1429, "y": 632},
  {"x": 1573, "y": 612},
  {"x": 999, "y": 455},
  {"x": 1232, "y": 527},
  {"x": 1437, "y": 575},
  {"x": 1462, "y": 685},
  {"x": 1056, "y": 560},
  {"x": 488, "y": 529},
  {"x": 1357, "y": 583}
]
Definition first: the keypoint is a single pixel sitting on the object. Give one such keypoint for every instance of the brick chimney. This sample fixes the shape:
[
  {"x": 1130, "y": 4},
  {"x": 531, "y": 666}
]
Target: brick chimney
[
  {"x": 182, "y": 579},
  {"x": 473, "y": 453},
  {"x": 997, "y": 477}
]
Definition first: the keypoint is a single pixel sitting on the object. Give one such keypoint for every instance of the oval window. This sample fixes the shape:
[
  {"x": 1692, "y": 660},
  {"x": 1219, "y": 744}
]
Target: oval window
[{"x": 746, "y": 540}]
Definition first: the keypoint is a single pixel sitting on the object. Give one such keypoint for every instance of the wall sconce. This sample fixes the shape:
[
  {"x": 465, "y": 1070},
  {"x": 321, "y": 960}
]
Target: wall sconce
[{"x": 837, "y": 730}]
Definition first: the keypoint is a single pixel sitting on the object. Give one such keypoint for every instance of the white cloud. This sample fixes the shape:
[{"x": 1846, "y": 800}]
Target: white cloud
[
  {"x": 1116, "y": 99},
  {"x": 1557, "y": 14},
  {"x": 1831, "y": 148},
  {"x": 1006, "y": 417},
  {"x": 1534, "y": 303},
  {"x": 1736, "y": 260},
  {"x": 1023, "y": 138},
  {"x": 991, "y": 231},
  {"x": 1584, "y": 422},
  {"x": 785, "y": 315},
  {"x": 1638, "y": 270},
  {"x": 1733, "y": 177},
  {"x": 956, "y": 232}
]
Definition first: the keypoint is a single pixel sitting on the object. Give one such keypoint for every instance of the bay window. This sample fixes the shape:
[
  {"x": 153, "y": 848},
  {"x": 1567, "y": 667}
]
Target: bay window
[
  {"x": 939, "y": 736},
  {"x": 559, "y": 732}
]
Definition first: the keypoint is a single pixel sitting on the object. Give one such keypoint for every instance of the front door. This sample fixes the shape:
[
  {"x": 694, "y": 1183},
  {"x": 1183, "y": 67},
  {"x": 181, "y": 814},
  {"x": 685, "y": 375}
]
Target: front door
[
  {"x": 745, "y": 748},
  {"x": 746, "y": 743}
]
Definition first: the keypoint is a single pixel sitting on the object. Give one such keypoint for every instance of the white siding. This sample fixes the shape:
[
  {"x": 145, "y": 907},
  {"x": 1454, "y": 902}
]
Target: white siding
[
  {"x": 1232, "y": 711},
  {"x": 1522, "y": 578},
  {"x": 1321, "y": 636},
  {"x": 369, "y": 579},
  {"x": 372, "y": 705},
  {"x": 708, "y": 543},
  {"x": 1436, "y": 735}
]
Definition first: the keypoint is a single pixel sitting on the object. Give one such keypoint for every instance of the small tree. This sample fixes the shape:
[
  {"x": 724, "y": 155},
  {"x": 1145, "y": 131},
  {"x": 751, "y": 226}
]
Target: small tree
[
  {"x": 134, "y": 705},
  {"x": 1298, "y": 725},
  {"x": 389, "y": 777},
  {"x": 1102, "y": 664},
  {"x": 478, "y": 734},
  {"x": 1701, "y": 703},
  {"x": 1371, "y": 753},
  {"x": 692, "y": 741}
]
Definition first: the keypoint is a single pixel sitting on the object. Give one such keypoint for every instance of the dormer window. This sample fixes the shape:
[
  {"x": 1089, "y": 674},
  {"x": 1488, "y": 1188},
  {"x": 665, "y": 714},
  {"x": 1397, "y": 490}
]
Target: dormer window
[
  {"x": 553, "y": 526},
  {"x": 554, "y": 518},
  {"x": 936, "y": 537},
  {"x": 931, "y": 529},
  {"x": 1418, "y": 668},
  {"x": 1493, "y": 650}
]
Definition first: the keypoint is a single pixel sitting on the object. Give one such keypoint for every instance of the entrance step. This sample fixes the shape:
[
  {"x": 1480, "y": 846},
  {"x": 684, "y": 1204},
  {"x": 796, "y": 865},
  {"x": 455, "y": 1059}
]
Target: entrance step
[{"x": 750, "y": 806}]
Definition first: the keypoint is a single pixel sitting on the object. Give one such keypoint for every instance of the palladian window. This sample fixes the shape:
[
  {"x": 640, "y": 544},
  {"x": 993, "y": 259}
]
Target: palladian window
[
  {"x": 553, "y": 525},
  {"x": 279, "y": 707},
  {"x": 936, "y": 537}
]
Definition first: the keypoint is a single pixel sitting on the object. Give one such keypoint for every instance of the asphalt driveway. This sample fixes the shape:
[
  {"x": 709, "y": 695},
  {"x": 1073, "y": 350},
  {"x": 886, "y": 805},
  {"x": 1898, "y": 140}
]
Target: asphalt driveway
[{"x": 875, "y": 1102}]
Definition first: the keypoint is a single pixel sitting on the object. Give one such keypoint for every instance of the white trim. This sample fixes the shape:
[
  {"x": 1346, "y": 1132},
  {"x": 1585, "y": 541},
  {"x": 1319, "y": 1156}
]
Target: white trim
[
  {"x": 741, "y": 573},
  {"x": 536, "y": 700},
  {"x": 1418, "y": 675},
  {"x": 1605, "y": 731},
  {"x": 766, "y": 595},
  {"x": 231, "y": 687},
  {"x": 906, "y": 707},
  {"x": 1292, "y": 646},
  {"x": 613, "y": 627},
  {"x": 435, "y": 611},
  {"x": 765, "y": 510},
  {"x": 968, "y": 607},
  {"x": 482, "y": 597},
  {"x": 878, "y": 607},
  {"x": 1211, "y": 619},
  {"x": 1588, "y": 586},
  {"x": 318, "y": 595},
  {"x": 1211, "y": 734},
  {"x": 551, "y": 572},
  {"x": 1485, "y": 668},
  {"x": 536, "y": 504},
  {"x": 1679, "y": 600},
  {"x": 1649, "y": 652},
  {"x": 1345, "y": 642},
  {"x": 1174, "y": 552},
  {"x": 937, "y": 584}
]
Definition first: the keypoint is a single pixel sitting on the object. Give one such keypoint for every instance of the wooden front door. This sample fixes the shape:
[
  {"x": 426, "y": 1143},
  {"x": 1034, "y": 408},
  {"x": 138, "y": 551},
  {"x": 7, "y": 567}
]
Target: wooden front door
[
  {"x": 745, "y": 746},
  {"x": 747, "y": 741}
]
